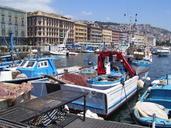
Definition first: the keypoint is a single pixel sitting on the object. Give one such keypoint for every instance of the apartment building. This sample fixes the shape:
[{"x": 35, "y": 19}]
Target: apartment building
[
  {"x": 115, "y": 36},
  {"x": 139, "y": 39},
  {"x": 94, "y": 33},
  {"x": 107, "y": 35},
  {"x": 81, "y": 31},
  {"x": 13, "y": 21},
  {"x": 124, "y": 36},
  {"x": 49, "y": 28}
]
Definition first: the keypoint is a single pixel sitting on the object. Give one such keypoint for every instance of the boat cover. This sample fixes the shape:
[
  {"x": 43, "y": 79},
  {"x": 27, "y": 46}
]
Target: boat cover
[{"x": 148, "y": 109}]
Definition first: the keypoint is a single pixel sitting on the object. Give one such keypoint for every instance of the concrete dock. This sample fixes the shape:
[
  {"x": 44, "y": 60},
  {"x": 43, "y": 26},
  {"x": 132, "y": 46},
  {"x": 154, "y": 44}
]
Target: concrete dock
[{"x": 48, "y": 112}]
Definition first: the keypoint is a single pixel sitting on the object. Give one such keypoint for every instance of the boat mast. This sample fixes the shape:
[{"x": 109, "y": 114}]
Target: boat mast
[
  {"x": 66, "y": 37},
  {"x": 11, "y": 46}
]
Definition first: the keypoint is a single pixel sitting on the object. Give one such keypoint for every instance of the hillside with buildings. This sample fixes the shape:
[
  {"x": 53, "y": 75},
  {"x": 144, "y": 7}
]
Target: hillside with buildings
[{"x": 143, "y": 29}]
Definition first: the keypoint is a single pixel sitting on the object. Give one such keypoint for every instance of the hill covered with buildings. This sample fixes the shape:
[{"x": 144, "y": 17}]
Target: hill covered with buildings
[{"x": 142, "y": 29}]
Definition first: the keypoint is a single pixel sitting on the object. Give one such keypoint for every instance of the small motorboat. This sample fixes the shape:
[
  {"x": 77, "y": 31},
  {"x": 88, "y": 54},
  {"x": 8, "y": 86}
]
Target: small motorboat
[
  {"x": 154, "y": 107},
  {"x": 163, "y": 51}
]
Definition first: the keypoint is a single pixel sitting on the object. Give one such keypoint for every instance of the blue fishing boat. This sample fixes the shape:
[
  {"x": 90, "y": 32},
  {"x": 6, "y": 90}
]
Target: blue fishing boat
[
  {"x": 36, "y": 67},
  {"x": 30, "y": 68},
  {"x": 141, "y": 66},
  {"x": 107, "y": 87},
  {"x": 154, "y": 107}
]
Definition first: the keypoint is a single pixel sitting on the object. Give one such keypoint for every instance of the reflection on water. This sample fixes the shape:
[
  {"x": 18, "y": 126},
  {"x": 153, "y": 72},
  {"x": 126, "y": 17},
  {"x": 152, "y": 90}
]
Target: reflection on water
[{"x": 159, "y": 67}]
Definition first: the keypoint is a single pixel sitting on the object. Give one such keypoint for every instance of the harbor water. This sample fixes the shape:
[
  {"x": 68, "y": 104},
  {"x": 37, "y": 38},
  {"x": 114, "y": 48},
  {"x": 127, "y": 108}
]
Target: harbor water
[{"x": 160, "y": 66}]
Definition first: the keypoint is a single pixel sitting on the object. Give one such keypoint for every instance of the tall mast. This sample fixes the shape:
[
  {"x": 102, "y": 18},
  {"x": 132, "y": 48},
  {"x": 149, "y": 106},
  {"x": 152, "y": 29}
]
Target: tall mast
[{"x": 11, "y": 45}]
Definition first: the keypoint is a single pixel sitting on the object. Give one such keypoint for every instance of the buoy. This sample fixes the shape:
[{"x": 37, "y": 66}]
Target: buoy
[
  {"x": 148, "y": 78},
  {"x": 140, "y": 84}
]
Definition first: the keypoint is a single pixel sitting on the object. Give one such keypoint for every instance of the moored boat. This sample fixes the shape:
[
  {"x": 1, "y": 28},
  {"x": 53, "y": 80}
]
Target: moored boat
[
  {"x": 142, "y": 60},
  {"x": 34, "y": 68},
  {"x": 164, "y": 51},
  {"x": 154, "y": 107},
  {"x": 141, "y": 66},
  {"x": 108, "y": 88}
]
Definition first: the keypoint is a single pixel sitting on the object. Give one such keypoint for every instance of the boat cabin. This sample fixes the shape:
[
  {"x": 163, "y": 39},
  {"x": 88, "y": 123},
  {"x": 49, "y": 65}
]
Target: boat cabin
[{"x": 37, "y": 67}]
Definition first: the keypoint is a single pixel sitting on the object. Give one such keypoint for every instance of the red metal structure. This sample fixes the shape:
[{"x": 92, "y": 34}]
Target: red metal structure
[{"x": 101, "y": 62}]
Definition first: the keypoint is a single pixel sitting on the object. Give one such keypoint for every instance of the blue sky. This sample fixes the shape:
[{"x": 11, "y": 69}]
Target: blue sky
[{"x": 154, "y": 12}]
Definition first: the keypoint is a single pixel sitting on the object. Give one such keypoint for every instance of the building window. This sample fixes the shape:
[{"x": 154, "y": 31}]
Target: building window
[
  {"x": 16, "y": 20},
  {"x": 3, "y": 32},
  {"x": 39, "y": 33},
  {"x": 10, "y": 21},
  {"x": 16, "y": 33},
  {"x": 9, "y": 31},
  {"x": 22, "y": 21},
  {"x": 3, "y": 18},
  {"x": 22, "y": 33}
]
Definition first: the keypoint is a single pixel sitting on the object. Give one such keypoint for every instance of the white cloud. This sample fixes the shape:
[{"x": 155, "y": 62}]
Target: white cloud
[
  {"x": 87, "y": 13},
  {"x": 29, "y": 5}
]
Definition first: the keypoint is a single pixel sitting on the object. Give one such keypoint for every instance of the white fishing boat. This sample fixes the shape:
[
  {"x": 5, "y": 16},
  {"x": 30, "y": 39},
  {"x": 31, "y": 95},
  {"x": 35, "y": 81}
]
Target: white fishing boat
[
  {"x": 107, "y": 89},
  {"x": 61, "y": 49}
]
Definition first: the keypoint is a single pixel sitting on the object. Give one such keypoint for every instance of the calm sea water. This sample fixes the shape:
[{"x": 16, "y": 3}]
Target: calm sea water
[{"x": 160, "y": 66}]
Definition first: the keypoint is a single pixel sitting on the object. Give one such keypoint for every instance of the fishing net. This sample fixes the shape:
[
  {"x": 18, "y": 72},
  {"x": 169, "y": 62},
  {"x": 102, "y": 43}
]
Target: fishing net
[{"x": 77, "y": 79}]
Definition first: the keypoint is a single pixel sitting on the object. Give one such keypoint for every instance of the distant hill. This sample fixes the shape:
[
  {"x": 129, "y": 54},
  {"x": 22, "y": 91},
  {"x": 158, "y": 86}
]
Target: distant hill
[{"x": 144, "y": 29}]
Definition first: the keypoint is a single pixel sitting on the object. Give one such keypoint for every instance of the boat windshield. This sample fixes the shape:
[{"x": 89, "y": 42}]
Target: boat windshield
[
  {"x": 23, "y": 63},
  {"x": 30, "y": 64}
]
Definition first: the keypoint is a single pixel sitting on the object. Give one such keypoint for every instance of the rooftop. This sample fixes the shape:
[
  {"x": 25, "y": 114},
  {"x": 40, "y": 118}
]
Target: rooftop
[
  {"x": 51, "y": 15},
  {"x": 12, "y": 9}
]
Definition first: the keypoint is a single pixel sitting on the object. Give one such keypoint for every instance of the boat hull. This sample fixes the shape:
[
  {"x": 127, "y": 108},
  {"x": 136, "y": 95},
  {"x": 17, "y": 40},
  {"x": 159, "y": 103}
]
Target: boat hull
[
  {"x": 163, "y": 53},
  {"x": 59, "y": 53},
  {"x": 104, "y": 102},
  {"x": 148, "y": 122},
  {"x": 141, "y": 66}
]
